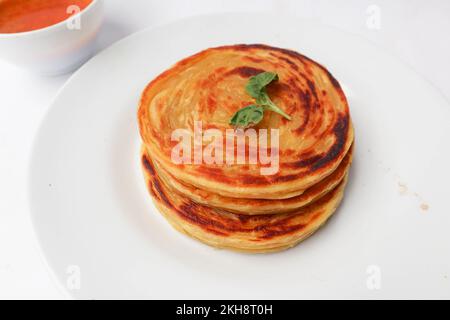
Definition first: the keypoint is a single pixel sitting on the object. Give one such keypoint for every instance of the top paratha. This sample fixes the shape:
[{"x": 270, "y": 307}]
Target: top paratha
[{"x": 210, "y": 87}]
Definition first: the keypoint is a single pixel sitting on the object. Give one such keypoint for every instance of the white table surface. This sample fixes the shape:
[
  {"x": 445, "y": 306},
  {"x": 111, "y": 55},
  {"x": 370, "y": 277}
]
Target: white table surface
[{"x": 415, "y": 31}]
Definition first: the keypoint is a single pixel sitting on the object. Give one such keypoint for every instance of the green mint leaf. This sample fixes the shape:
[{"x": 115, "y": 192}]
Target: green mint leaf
[
  {"x": 264, "y": 100},
  {"x": 247, "y": 116},
  {"x": 253, "y": 114},
  {"x": 258, "y": 83}
]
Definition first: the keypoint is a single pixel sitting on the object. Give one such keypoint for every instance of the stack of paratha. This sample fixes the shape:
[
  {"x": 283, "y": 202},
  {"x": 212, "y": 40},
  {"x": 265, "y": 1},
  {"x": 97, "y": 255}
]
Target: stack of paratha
[{"x": 233, "y": 205}]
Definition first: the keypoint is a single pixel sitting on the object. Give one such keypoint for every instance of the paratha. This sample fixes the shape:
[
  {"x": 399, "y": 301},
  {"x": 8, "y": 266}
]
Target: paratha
[
  {"x": 210, "y": 87},
  {"x": 257, "y": 206},
  {"x": 222, "y": 229}
]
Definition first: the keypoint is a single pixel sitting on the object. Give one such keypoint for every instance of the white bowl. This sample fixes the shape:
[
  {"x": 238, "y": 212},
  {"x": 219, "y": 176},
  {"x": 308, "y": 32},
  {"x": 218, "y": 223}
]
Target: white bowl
[{"x": 56, "y": 49}]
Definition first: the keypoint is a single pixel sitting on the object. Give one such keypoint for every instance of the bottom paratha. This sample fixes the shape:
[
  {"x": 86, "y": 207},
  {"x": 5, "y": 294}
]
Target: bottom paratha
[{"x": 249, "y": 233}]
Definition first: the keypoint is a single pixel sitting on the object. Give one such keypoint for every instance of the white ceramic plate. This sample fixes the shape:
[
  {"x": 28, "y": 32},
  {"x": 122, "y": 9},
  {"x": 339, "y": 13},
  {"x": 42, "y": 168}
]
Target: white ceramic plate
[{"x": 94, "y": 218}]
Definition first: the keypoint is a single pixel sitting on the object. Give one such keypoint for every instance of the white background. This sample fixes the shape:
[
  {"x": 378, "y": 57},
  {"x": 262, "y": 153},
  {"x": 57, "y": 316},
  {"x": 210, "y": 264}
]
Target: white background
[{"x": 415, "y": 31}]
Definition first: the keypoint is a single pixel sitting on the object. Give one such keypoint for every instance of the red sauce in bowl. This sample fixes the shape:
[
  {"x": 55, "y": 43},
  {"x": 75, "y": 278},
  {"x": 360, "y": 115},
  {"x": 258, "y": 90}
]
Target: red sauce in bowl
[{"x": 27, "y": 15}]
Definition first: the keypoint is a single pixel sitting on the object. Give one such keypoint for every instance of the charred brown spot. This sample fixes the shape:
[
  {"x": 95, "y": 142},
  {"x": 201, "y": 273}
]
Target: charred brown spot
[
  {"x": 312, "y": 87},
  {"x": 291, "y": 63},
  {"x": 147, "y": 165},
  {"x": 192, "y": 212},
  {"x": 277, "y": 87},
  {"x": 268, "y": 234},
  {"x": 315, "y": 162},
  {"x": 305, "y": 97},
  {"x": 306, "y": 162},
  {"x": 161, "y": 194},
  {"x": 340, "y": 131},
  {"x": 244, "y": 218},
  {"x": 152, "y": 191},
  {"x": 286, "y": 178},
  {"x": 245, "y": 71}
]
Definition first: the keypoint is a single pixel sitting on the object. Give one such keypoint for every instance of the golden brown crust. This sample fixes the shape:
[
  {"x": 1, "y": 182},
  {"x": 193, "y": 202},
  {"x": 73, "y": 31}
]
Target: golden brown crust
[{"x": 209, "y": 87}]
